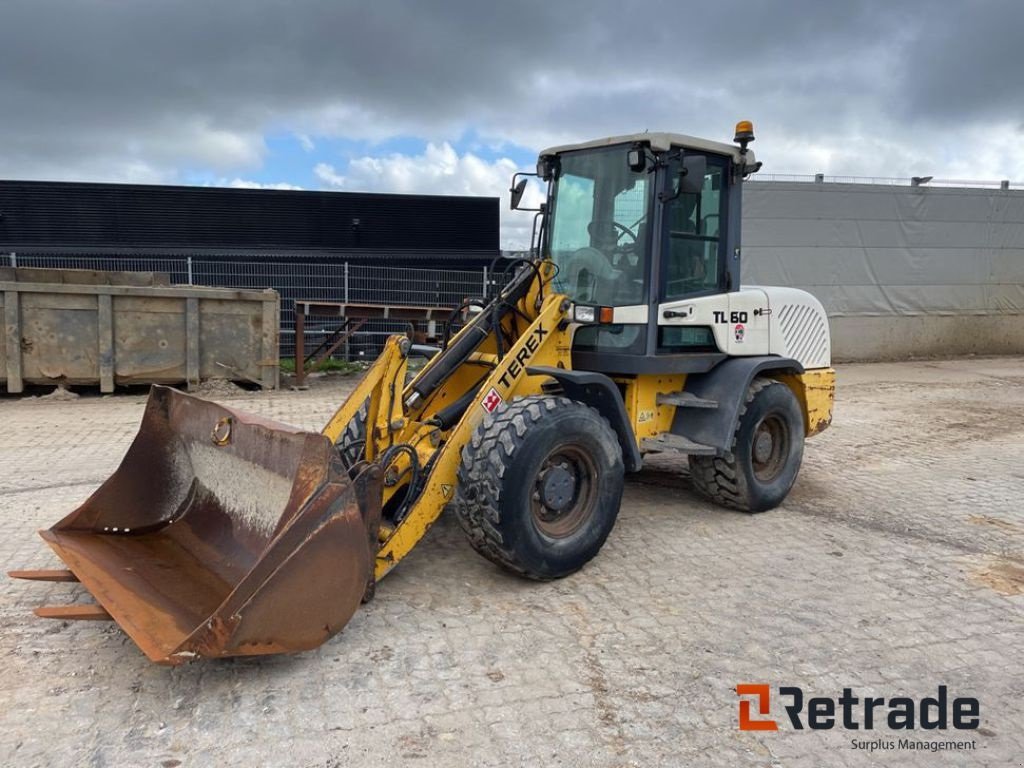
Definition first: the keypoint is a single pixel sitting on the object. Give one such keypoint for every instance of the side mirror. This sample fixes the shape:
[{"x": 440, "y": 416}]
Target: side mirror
[
  {"x": 517, "y": 193},
  {"x": 691, "y": 178}
]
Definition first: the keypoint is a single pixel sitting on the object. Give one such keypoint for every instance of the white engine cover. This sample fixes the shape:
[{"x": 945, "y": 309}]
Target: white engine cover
[{"x": 757, "y": 320}]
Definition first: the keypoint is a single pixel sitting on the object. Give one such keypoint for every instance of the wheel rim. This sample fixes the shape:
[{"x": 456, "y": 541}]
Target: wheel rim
[
  {"x": 769, "y": 447},
  {"x": 564, "y": 492}
]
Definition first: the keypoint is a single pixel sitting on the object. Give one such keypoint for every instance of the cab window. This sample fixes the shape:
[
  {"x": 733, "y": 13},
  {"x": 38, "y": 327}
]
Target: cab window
[{"x": 694, "y": 239}]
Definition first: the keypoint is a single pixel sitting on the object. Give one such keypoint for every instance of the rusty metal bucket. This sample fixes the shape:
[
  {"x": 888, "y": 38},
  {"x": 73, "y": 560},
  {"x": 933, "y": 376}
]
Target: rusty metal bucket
[{"x": 221, "y": 534}]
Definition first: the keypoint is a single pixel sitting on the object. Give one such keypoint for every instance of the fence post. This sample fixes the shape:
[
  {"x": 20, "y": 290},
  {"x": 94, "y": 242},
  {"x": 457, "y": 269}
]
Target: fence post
[
  {"x": 190, "y": 270},
  {"x": 14, "y": 260},
  {"x": 346, "y": 282},
  {"x": 485, "y": 283}
]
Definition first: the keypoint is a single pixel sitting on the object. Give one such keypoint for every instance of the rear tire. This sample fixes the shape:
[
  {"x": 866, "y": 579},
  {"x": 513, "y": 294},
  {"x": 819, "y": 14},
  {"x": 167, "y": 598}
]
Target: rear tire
[
  {"x": 764, "y": 460},
  {"x": 540, "y": 486}
]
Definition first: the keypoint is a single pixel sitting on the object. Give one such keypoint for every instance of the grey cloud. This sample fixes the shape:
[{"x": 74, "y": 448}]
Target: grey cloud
[
  {"x": 106, "y": 89},
  {"x": 964, "y": 60}
]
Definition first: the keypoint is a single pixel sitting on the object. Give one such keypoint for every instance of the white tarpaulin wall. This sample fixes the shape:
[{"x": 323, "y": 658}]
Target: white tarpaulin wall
[{"x": 893, "y": 252}]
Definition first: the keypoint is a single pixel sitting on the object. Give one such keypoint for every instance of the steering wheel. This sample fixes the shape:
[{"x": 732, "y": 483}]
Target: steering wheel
[
  {"x": 624, "y": 230},
  {"x": 591, "y": 262}
]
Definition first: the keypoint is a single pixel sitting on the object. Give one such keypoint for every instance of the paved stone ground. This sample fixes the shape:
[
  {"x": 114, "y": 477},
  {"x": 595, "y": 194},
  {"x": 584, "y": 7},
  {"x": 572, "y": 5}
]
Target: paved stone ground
[{"x": 896, "y": 564}]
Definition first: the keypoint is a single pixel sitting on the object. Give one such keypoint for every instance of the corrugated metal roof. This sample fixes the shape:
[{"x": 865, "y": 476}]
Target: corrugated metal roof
[{"x": 184, "y": 219}]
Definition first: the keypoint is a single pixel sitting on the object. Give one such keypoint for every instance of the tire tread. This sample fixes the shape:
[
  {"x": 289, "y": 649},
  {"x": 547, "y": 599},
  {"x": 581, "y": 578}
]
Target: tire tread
[
  {"x": 716, "y": 476},
  {"x": 485, "y": 458}
]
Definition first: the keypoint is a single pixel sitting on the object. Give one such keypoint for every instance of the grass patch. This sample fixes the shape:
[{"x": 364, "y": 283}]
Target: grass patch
[{"x": 330, "y": 365}]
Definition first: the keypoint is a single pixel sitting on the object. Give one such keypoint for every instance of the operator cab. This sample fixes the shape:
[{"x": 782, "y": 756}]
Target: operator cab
[{"x": 634, "y": 222}]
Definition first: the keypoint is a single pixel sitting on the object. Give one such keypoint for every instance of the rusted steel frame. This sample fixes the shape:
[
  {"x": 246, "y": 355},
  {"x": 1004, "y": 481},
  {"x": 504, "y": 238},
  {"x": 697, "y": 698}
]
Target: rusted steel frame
[
  {"x": 331, "y": 337},
  {"x": 318, "y": 356},
  {"x": 351, "y": 328},
  {"x": 335, "y": 340}
]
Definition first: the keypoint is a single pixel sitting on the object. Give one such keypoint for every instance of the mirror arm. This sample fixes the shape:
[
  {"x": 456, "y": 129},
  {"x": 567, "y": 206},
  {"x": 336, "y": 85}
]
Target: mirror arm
[
  {"x": 743, "y": 170},
  {"x": 512, "y": 190}
]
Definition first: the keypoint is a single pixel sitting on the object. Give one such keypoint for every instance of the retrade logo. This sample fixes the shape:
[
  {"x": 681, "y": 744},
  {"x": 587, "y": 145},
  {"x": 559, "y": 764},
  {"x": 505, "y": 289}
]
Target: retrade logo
[
  {"x": 851, "y": 712},
  {"x": 763, "y": 696}
]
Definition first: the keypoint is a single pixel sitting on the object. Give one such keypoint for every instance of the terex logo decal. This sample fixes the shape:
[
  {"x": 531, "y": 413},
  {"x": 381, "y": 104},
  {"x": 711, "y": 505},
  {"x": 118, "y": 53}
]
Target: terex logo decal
[
  {"x": 850, "y": 712},
  {"x": 518, "y": 365}
]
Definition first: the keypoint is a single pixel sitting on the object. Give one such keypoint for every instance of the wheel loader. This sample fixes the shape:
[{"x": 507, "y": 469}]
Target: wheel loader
[{"x": 627, "y": 333}]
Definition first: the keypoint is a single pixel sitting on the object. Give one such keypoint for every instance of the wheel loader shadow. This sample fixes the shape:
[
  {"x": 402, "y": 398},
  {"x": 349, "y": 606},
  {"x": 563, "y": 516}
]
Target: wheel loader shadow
[{"x": 665, "y": 480}]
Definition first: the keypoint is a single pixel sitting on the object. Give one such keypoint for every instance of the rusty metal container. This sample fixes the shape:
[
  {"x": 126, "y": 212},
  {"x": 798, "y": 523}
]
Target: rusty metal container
[
  {"x": 221, "y": 534},
  {"x": 107, "y": 328}
]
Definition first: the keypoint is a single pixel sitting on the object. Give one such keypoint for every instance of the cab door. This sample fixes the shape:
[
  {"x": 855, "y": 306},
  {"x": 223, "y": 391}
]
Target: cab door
[{"x": 693, "y": 261}]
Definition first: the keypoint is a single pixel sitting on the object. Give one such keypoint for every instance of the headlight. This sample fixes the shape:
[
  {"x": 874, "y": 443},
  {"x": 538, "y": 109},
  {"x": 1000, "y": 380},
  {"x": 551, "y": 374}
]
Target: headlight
[{"x": 585, "y": 314}]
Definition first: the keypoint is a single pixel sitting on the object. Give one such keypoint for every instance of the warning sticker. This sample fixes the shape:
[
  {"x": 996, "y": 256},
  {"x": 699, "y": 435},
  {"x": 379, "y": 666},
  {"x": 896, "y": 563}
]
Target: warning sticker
[{"x": 491, "y": 400}]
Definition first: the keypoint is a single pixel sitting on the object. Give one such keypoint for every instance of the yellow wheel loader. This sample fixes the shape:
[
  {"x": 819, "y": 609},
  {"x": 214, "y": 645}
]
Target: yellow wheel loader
[{"x": 628, "y": 333}]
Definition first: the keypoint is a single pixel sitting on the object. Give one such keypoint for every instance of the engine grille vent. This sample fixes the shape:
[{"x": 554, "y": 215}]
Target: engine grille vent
[{"x": 805, "y": 332}]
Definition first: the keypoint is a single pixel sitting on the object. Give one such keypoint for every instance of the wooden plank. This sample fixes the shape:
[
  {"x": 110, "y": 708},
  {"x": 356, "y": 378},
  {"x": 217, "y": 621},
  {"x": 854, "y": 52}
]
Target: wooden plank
[
  {"x": 172, "y": 292},
  {"x": 370, "y": 311},
  {"x": 300, "y": 349},
  {"x": 12, "y": 335},
  {"x": 105, "y": 337},
  {"x": 73, "y": 612},
  {"x": 59, "y": 574},
  {"x": 270, "y": 361},
  {"x": 192, "y": 342}
]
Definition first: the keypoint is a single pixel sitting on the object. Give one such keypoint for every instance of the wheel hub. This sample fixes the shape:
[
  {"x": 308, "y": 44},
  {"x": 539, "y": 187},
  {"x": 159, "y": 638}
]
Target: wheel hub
[
  {"x": 769, "y": 448},
  {"x": 557, "y": 487},
  {"x": 564, "y": 492},
  {"x": 763, "y": 445}
]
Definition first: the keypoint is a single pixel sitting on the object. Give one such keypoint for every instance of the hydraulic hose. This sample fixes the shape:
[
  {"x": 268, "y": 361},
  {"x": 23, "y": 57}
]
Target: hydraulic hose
[{"x": 473, "y": 335}]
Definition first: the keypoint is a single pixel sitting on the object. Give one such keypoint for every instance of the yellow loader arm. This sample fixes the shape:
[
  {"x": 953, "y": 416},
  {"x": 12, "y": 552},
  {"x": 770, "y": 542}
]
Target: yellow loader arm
[{"x": 417, "y": 433}]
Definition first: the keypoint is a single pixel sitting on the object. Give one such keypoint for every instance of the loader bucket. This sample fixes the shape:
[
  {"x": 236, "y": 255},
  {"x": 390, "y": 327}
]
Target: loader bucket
[{"x": 221, "y": 534}]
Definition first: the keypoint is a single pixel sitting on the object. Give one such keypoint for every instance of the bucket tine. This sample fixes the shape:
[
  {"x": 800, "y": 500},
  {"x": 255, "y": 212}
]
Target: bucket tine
[
  {"x": 73, "y": 612},
  {"x": 60, "y": 574}
]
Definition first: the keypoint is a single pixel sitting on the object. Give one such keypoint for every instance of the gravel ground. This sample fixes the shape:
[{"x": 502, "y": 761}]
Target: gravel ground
[{"x": 896, "y": 565}]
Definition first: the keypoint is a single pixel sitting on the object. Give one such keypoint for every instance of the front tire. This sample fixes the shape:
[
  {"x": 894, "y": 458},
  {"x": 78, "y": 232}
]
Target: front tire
[
  {"x": 351, "y": 444},
  {"x": 540, "y": 486},
  {"x": 767, "y": 449}
]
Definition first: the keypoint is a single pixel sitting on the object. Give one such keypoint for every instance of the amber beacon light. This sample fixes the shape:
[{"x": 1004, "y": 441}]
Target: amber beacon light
[{"x": 744, "y": 132}]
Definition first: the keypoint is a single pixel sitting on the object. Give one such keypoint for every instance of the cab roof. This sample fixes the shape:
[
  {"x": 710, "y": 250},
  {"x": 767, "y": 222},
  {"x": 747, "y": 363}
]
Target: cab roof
[{"x": 661, "y": 142}]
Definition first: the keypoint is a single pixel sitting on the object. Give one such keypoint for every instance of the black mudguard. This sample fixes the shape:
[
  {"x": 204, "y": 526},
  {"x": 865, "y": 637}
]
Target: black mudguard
[
  {"x": 727, "y": 385},
  {"x": 599, "y": 392}
]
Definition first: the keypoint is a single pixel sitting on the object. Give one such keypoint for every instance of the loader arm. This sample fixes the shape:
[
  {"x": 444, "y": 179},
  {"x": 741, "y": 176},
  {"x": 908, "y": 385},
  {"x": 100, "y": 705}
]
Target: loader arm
[{"x": 435, "y": 415}]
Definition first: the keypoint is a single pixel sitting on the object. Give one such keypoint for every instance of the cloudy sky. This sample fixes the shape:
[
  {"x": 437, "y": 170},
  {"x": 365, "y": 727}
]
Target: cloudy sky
[{"x": 452, "y": 97}]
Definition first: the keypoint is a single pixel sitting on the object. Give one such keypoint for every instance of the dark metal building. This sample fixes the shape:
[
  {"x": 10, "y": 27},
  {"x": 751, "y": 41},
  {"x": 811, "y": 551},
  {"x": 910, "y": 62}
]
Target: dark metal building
[
  {"x": 50, "y": 218},
  {"x": 327, "y": 246}
]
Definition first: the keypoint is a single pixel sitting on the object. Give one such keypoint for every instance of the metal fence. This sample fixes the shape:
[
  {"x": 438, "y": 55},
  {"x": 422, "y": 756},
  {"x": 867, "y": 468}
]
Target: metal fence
[
  {"x": 295, "y": 280},
  {"x": 891, "y": 181}
]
